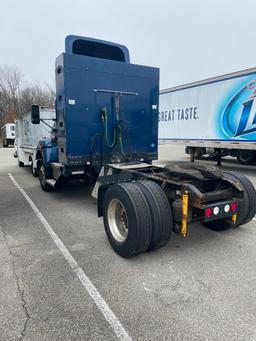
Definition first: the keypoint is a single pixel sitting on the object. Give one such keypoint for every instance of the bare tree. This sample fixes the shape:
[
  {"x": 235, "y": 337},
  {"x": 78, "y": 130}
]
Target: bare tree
[
  {"x": 43, "y": 96},
  {"x": 16, "y": 98},
  {"x": 10, "y": 83}
]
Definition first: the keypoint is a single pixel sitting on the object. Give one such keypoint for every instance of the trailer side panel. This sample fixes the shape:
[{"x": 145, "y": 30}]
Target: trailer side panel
[{"x": 218, "y": 110}]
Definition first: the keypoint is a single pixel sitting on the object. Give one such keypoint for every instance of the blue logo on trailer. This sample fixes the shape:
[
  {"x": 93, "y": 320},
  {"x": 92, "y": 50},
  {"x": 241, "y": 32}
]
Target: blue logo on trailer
[{"x": 239, "y": 117}]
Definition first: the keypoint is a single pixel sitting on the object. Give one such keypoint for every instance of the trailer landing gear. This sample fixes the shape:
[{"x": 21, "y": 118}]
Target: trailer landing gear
[
  {"x": 219, "y": 157},
  {"x": 192, "y": 154}
]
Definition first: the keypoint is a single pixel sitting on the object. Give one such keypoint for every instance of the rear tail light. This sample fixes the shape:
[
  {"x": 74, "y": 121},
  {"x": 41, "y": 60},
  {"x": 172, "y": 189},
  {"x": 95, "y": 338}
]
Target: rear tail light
[
  {"x": 234, "y": 207},
  {"x": 208, "y": 212},
  {"x": 227, "y": 208},
  {"x": 221, "y": 211},
  {"x": 216, "y": 210}
]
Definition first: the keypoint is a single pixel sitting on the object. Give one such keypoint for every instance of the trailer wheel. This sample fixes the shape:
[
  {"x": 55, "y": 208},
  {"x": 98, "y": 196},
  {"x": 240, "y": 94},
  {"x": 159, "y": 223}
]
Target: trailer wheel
[
  {"x": 245, "y": 157},
  {"x": 246, "y": 206},
  {"x": 43, "y": 176},
  {"x": 127, "y": 220},
  {"x": 161, "y": 214}
]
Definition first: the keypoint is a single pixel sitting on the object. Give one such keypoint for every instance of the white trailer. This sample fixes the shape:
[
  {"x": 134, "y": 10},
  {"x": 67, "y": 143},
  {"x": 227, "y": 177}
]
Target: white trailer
[
  {"x": 28, "y": 135},
  {"x": 8, "y": 134},
  {"x": 215, "y": 116}
]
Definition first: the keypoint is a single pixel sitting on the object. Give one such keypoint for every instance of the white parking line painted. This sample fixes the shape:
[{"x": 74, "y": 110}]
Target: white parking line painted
[{"x": 111, "y": 318}]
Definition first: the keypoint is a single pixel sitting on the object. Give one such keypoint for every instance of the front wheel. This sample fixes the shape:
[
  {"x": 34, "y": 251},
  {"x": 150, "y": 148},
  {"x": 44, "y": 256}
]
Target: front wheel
[
  {"x": 126, "y": 217},
  {"x": 33, "y": 169},
  {"x": 20, "y": 163},
  {"x": 43, "y": 176}
]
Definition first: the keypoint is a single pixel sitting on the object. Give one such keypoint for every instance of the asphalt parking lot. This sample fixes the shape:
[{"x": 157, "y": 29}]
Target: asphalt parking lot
[{"x": 202, "y": 287}]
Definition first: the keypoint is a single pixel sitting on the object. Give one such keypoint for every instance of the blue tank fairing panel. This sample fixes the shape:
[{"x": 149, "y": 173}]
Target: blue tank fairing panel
[
  {"x": 85, "y": 87},
  {"x": 49, "y": 151}
]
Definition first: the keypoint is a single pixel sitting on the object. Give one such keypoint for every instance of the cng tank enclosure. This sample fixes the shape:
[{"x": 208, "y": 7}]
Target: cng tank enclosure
[{"x": 106, "y": 107}]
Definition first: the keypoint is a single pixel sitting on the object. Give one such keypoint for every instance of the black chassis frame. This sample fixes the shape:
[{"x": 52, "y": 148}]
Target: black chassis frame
[{"x": 205, "y": 185}]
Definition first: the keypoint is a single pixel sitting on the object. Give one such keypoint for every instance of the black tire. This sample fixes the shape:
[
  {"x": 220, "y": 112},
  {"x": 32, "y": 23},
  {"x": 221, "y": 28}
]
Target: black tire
[
  {"x": 43, "y": 175},
  {"x": 20, "y": 163},
  {"x": 245, "y": 157},
  {"x": 129, "y": 231},
  {"x": 34, "y": 170},
  {"x": 161, "y": 214},
  {"x": 246, "y": 206}
]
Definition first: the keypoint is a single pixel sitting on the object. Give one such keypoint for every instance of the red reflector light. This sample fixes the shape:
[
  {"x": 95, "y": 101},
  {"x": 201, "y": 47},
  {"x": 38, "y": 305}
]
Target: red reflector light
[
  {"x": 208, "y": 212},
  {"x": 233, "y": 206}
]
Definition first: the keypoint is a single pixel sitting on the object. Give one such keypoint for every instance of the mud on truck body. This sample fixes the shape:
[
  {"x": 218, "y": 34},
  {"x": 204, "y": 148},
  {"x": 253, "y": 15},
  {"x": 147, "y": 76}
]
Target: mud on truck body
[{"x": 107, "y": 133}]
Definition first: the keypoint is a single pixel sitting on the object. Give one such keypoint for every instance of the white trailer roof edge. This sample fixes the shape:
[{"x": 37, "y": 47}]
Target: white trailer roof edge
[
  {"x": 6, "y": 124},
  {"x": 209, "y": 80},
  {"x": 41, "y": 109}
]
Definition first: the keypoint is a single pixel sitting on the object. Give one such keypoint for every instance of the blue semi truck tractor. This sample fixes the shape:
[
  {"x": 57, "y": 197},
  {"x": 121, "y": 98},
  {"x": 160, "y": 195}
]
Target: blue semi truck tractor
[{"x": 106, "y": 132}]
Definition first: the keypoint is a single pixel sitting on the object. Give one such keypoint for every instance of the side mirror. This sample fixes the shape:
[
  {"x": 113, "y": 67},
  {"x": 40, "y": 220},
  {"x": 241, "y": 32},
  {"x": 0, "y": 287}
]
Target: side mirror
[{"x": 35, "y": 114}]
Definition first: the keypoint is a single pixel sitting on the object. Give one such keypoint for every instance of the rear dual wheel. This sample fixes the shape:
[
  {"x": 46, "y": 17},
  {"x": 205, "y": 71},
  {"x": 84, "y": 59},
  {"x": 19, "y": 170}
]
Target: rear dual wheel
[
  {"x": 137, "y": 217},
  {"x": 161, "y": 214},
  {"x": 246, "y": 206}
]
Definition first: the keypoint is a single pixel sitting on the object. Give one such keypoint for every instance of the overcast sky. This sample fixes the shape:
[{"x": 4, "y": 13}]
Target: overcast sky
[{"x": 188, "y": 39}]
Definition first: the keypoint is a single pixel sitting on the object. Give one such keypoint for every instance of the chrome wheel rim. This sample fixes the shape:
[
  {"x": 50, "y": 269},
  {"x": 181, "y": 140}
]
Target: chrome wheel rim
[{"x": 117, "y": 220}]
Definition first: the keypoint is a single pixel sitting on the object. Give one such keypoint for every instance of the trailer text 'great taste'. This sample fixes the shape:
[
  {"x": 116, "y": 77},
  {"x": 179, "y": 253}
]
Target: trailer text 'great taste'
[{"x": 178, "y": 114}]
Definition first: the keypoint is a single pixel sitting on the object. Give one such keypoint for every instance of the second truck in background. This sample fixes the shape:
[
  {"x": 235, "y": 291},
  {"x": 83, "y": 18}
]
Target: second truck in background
[
  {"x": 216, "y": 116},
  {"x": 28, "y": 135},
  {"x": 8, "y": 134}
]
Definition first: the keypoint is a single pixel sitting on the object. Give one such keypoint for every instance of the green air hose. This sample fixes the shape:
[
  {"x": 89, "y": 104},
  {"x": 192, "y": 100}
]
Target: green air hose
[
  {"x": 121, "y": 143},
  {"x": 115, "y": 140},
  {"x": 105, "y": 120}
]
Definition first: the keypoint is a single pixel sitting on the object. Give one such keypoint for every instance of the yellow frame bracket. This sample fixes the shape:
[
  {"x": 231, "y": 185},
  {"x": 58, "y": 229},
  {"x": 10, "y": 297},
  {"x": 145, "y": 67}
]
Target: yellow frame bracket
[
  {"x": 233, "y": 218},
  {"x": 184, "y": 221}
]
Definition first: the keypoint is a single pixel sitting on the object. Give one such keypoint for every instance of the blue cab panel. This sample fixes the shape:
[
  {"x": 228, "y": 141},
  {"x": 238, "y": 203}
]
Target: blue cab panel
[
  {"x": 107, "y": 108},
  {"x": 49, "y": 150}
]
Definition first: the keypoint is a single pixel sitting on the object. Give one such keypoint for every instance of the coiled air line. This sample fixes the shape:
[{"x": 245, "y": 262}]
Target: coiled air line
[
  {"x": 118, "y": 137},
  {"x": 116, "y": 95}
]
